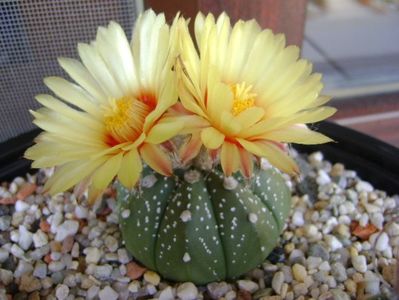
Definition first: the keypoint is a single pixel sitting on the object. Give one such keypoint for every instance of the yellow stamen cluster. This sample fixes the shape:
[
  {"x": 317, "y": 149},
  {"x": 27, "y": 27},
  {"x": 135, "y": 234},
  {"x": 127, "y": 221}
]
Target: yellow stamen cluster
[
  {"x": 243, "y": 98},
  {"x": 125, "y": 118}
]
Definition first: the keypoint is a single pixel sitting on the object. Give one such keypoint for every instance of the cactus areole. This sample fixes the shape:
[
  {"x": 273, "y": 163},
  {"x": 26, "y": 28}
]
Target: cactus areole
[{"x": 201, "y": 226}]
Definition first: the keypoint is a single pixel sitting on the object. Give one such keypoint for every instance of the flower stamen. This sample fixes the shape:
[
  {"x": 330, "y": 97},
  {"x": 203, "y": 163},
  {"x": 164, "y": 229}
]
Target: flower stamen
[
  {"x": 125, "y": 117},
  {"x": 243, "y": 98}
]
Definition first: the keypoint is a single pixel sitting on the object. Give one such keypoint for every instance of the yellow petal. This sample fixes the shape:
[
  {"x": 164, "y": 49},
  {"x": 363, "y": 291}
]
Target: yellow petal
[
  {"x": 103, "y": 176},
  {"x": 272, "y": 153},
  {"x": 212, "y": 138},
  {"x": 99, "y": 70},
  {"x": 250, "y": 116},
  {"x": 229, "y": 158},
  {"x": 220, "y": 99},
  {"x": 156, "y": 158},
  {"x": 299, "y": 134},
  {"x": 73, "y": 94},
  {"x": 130, "y": 170},
  {"x": 81, "y": 75},
  {"x": 70, "y": 174},
  {"x": 83, "y": 119},
  {"x": 164, "y": 130}
]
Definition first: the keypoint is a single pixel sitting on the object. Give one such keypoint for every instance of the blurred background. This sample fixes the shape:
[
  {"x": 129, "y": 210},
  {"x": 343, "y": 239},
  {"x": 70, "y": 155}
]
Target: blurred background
[{"x": 354, "y": 43}]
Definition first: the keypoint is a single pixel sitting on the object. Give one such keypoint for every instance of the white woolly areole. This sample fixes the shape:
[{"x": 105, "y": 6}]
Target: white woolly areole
[
  {"x": 192, "y": 176},
  {"x": 186, "y": 257},
  {"x": 125, "y": 213},
  {"x": 253, "y": 218},
  {"x": 230, "y": 183},
  {"x": 185, "y": 216},
  {"x": 148, "y": 181},
  {"x": 264, "y": 164}
]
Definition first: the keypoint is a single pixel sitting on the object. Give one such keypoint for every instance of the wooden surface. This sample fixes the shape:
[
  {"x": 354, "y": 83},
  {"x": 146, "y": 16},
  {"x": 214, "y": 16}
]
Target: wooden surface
[
  {"x": 281, "y": 16},
  {"x": 375, "y": 115}
]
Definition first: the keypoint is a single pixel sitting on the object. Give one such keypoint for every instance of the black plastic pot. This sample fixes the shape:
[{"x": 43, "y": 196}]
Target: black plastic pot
[{"x": 374, "y": 160}]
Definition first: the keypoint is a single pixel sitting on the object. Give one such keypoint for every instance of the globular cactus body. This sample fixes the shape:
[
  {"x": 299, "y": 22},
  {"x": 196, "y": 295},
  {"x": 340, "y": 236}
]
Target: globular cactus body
[{"x": 201, "y": 226}]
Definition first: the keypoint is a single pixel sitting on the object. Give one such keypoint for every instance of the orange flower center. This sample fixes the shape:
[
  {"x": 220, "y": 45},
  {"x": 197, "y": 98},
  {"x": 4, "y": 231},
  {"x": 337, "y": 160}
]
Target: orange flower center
[
  {"x": 243, "y": 97},
  {"x": 124, "y": 118}
]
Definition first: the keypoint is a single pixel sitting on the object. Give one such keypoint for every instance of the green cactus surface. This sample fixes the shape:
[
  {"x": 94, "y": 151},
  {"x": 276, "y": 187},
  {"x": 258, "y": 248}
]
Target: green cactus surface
[{"x": 200, "y": 226}]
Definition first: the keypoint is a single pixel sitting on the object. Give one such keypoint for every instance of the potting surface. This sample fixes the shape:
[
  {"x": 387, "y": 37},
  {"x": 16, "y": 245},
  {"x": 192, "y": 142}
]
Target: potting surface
[{"x": 340, "y": 242}]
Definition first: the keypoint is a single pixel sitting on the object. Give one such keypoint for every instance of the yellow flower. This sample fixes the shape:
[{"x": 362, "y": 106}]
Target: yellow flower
[
  {"x": 116, "y": 109},
  {"x": 245, "y": 94}
]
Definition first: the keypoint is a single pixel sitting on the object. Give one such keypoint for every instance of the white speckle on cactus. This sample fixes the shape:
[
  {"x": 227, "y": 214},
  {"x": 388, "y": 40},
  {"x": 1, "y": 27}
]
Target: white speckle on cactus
[
  {"x": 192, "y": 176},
  {"x": 148, "y": 181},
  {"x": 186, "y": 257},
  {"x": 262, "y": 248},
  {"x": 125, "y": 213},
  {"x": 253, "y": 218},
  {"x": 230, "y": 183},
  {"x": 233, "y": 209},
  {"x": 185, "y": 216}
]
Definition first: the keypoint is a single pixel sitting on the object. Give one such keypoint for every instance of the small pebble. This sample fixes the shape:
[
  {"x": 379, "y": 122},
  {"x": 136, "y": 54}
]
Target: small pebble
[
  {"x": 152, "y": 277},
  {"x": 187, "y": 291},
  {"x": 62, "y": 291},
  {"x": 107, "y": 293}
]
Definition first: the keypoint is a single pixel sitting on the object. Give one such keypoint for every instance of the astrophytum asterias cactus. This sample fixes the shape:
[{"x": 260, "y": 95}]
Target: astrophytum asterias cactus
[{"x": 202, "y": 226}]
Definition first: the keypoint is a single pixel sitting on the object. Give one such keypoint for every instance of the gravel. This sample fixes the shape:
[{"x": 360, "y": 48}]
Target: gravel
[{"x": 340, "y": 242}]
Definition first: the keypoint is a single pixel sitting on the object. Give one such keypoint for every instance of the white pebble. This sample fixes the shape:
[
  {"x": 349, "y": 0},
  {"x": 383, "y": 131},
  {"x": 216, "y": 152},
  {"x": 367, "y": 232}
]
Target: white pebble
[
  {"x": 17, "y": 251},
  {"x": 92, "y": 292},
  {"x": 166, "y": 294},
  {"x": 69, "y": 227},
  {"x": 39, "y": 239},
  {"x": 393, "y": 229},
  {"x": 333, "y": 242},
  {"x": 21, "y": 206},
  {"x": 322, "y": 177},
  {"x": 108, "y": 293},
  {"x": 377, "y": 219},
  {"x": 187, "y": 291},
  {"x": 359, "y": 263},
  {"x": 277, "y": 282},
  {"x": 297, "y": 218},
  {"x": 25, "y": 237},
  {"x": 364, "y": 186},
  {"x": 62, "y": 291},
  {"x": 364, "y": 220},
  {"x": 382, "y": 242},
  {"x": 81, "y": 212},
  {"x": 93, "y": 255},
  {"x": 248, "y": 285},
  {"x": 111, "y": 243}
]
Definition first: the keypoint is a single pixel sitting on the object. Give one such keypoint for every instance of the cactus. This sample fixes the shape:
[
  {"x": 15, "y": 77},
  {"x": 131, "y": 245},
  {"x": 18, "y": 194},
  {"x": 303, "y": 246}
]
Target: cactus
[{"x": 200, "y": 226}]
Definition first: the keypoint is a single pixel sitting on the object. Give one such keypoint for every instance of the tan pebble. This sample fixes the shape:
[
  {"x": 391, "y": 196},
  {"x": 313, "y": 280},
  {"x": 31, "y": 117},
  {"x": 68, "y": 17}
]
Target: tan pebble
[
  {"x": 389, "y": 273},
  {"x": 289, "y": 248},
  {"x": 134, "y": 271},
  {"x": 29, "y": 284},
  {"x": 299, "y": 232},
  {"x": 319, "y": 205},
  {"x": 284, "y": 290},
  {"x": 357, "y": 277},
  {"x": 33, "y": 296},
  {"x": 299, "y": 272},
  {"x": 152, "y": 277},
  {"x": 350, "y": 285},
  {"x": 275, "y": 297},
  {"x": 67, "y": 244},
  {"x": 337, "y": 169},
  {"x": 55, "y": 246}
]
